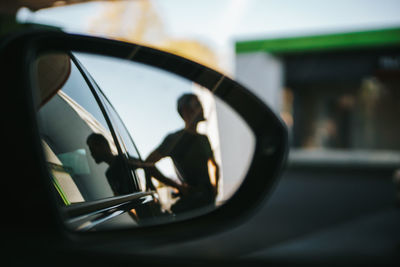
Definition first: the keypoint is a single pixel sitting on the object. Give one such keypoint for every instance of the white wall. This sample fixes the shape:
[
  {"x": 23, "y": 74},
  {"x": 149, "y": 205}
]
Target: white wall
[
  {"x": 262, "y": 74},
  {"x": 237, "y": 143}
]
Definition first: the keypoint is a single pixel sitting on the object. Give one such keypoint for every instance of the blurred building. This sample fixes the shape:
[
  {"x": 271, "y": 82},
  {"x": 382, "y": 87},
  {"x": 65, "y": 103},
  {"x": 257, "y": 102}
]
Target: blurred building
[{"x": 334, "y": 91}]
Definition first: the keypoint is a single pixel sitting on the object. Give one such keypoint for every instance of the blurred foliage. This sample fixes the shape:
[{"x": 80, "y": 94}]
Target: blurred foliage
[{"x": 139, "y": 22}]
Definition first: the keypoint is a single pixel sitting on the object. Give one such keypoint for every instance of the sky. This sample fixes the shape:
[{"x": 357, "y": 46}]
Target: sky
[{"x": 248, "y": 18}]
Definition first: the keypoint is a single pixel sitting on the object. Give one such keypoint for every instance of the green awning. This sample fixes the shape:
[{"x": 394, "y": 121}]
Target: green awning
[{"x": 351, "y": 40}]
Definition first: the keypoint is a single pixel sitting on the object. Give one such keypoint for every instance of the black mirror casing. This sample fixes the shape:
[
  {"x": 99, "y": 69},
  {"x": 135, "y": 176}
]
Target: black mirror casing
[{"x": 31, "y": 209}]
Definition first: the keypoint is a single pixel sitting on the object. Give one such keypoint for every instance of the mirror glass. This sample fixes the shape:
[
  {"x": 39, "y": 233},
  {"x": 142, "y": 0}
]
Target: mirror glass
[{"x": 128, "y": 144}]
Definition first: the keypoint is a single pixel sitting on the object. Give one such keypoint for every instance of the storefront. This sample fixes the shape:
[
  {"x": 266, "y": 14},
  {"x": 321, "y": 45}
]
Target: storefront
[{"x": 334, "y": 91}]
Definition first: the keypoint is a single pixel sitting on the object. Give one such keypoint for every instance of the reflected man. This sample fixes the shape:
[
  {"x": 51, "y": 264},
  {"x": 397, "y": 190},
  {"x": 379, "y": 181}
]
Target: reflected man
[
  {"x": 191, "y": 153},
  {"x": 116, "y": 174}
]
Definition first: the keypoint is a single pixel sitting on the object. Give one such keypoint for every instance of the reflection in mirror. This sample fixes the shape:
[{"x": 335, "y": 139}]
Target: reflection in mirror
[{"x": 129, "y": 144}]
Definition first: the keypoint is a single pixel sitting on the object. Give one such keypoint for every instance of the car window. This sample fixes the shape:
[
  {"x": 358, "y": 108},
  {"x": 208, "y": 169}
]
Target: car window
[
  {"x": 124, "y": 137},
  {"x": 126, "y": 142},
  {"x": 123, "y": 134},
  {"x": 67, "y": 122}
]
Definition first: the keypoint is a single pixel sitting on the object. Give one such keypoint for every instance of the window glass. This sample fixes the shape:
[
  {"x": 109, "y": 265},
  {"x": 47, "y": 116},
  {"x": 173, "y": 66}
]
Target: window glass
[
  {"x": 80, "y": 150},
  {"x": 347, "y": 115},
  {"x": 124, "y": 138},
  {"x": 342, "y": 101},
  {"x": 127, "y": 143}
]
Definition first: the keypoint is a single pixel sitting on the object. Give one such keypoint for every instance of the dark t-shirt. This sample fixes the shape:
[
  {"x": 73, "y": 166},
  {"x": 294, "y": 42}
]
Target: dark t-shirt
[
  {"x": 190, "y": 153},
  {"x": 118, "y": 179}
]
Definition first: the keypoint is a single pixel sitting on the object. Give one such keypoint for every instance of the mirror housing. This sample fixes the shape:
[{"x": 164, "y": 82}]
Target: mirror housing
[{"x": 268, "y": 161}]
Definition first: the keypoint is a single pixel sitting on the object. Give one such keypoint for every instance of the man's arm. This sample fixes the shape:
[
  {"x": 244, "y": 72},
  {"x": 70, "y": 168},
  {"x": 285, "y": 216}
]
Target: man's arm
[
  {"x": 216, "y": 173},
  {"x": 154, "y": 157},
  {"x": 150, "y": 168},
  {"x": 149, "y": 161},
  {"x": 154, "y": 172},
  {"x": 137, "y": 163}
]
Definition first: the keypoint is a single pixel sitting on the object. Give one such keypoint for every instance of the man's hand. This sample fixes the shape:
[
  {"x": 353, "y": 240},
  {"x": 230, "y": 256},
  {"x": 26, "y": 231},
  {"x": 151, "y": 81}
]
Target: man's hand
[{"x": 137, "y": 163}]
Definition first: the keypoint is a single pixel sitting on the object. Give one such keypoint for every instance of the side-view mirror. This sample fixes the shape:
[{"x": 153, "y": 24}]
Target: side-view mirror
[{"x": 135, "y": 140}]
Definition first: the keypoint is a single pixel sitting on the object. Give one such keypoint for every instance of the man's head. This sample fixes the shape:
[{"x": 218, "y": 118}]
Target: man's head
[
  {"x": 190, "y": 109},
  {"x": 99, "y": 147}
]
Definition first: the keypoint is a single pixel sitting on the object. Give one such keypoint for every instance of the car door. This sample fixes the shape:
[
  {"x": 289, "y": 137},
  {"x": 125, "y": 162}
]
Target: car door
[{"x": 83, "y": 181}]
